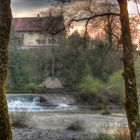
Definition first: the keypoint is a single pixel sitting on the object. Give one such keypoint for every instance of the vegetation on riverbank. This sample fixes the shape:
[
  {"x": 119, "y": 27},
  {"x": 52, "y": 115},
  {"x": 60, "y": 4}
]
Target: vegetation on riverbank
[{"x": 97, "y": 82}]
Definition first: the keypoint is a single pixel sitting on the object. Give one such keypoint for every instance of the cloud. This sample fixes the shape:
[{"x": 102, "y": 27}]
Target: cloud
[
  {"x": 20, "y": 5},
  {"x": 28, "y": 7}
]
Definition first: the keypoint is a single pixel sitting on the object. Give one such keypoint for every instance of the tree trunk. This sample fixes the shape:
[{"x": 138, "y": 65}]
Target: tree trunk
[
  {"x": 110, "y": 31},
  {"x": 131, "y": 100},
  {"x": 53, "y": 59},
  {"x": 5, "y": 25}
]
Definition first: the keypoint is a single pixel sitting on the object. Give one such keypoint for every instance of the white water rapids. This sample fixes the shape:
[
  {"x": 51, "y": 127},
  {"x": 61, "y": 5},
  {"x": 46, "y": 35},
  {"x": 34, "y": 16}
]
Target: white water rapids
[{"x": 31, "y": 103}]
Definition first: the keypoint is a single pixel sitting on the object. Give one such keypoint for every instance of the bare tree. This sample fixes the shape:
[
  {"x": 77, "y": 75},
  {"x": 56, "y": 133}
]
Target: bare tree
[
  {"x": 5, "y": 25},
  {"x": 131, "y": 100},
  {"x": 51, "y": 23}
]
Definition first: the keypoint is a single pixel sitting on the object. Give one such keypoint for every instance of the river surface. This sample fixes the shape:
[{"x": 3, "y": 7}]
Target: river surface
[{"x": 40, "y": 103}]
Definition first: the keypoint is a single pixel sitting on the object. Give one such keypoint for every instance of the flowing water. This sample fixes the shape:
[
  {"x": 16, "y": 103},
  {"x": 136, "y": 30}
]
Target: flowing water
[{"x": 33, "y": 103}]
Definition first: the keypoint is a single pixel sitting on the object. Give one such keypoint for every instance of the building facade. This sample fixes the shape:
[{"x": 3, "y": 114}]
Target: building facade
[{"x": 38, "y": 32}]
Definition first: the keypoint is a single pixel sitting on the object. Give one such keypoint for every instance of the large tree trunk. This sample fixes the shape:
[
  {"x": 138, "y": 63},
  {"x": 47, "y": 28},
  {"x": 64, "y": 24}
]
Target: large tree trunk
[
  {"x": 131, "y": 100},
  {"x": 5, "y": 25}
]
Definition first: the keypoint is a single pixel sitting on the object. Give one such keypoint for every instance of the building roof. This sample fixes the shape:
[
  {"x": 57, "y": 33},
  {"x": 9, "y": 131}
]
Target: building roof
[
  {"x": 51, "y": 24},
  {"x": 26, "y": 24}
]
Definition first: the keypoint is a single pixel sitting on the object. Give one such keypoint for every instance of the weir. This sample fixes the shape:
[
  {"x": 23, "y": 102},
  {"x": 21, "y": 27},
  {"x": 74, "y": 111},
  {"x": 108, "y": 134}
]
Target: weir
[{"x": 40, "y": 103}]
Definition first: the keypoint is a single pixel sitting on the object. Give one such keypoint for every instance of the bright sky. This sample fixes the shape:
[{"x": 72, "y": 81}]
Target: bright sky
[
  {"x": 133, "y": 8},
  {"x": 25, "y": 8},
  {"x": 30, "y": 8}
]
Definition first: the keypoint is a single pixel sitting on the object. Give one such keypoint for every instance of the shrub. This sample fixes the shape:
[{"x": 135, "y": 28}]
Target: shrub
[
  {"x": 114, "y": 132},
  {"x": 137, "y": 71},
  {"x": 91, "y": 98},
  {"x": 31, "y": 87},
  {"x": 106, "y": 111},
  {"x": 19, "y": 119},
  {"x": 76, "y": 126},
  {"x": 90, "y": 84},
  {"x": 98, "y": 106},
  {"x": 42, "y": 99},
  {"x": 115, "y": 82},
  {"x": 116, "y": 87},
  {"x": 105, "y": 137}
]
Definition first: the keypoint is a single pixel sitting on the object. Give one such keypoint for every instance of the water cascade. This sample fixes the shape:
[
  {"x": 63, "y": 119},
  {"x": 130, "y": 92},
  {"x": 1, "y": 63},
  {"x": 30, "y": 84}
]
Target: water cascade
[{"x": 34, "y": 103}]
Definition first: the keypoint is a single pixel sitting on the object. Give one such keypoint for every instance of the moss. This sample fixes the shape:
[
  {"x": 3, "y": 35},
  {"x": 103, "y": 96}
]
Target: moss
[{"x": 5, "y": 25}]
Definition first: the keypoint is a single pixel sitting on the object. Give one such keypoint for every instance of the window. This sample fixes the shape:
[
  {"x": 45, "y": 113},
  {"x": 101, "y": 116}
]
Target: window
[
  {"x": 19, "y": 37},
  {"x": 30, "y": 33},
  {"x": 41, "y": 41},
  {"x": 51, "y": 40}
]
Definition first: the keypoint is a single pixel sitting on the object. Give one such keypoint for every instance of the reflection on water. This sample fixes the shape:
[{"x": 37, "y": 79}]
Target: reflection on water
[{"x": 32, "y": 103}]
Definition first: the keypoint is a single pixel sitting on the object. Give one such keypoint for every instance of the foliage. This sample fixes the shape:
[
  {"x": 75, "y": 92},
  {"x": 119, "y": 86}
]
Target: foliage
[
  {"x": 99, "y": 101},
  {"x": 95, "y": 89},
  {"x": 105, "y": 137},
  {"x": 115, "y": 87},
  {"x": 23, "y": 72},
  {"x": 32, "y": 87},
  {"x": 29, "y": 68},
  {"x": 115, "y": 82},
  {"x": 76, "y": 126},
  {"x": 72, "y": 61},
  {"x": 102, "y": 63},
  {"x": 91, "y": 84},
  {"x": 19, "y": 119},
  {"x": 108, "y": 137},
  {"x": 114, "y": 132},
  {"x": 137, "y": 70}
]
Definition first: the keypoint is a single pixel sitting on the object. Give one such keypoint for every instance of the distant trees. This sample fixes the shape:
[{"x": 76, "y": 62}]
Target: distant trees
[
  {"x": 29, "y": 68},
  {"x": 131, "y": 100},
  {"x": 53, "y": 28}
]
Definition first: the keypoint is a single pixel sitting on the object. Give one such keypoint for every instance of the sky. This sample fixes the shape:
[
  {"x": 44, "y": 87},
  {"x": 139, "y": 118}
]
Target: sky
[
  {"x": 25, "y": 8},
  {"x": 22, "y": 8}
]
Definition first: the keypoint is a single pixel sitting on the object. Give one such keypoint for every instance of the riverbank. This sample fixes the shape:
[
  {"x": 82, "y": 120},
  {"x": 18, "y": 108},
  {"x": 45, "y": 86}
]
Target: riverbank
[{"x": 52, "y": 126}]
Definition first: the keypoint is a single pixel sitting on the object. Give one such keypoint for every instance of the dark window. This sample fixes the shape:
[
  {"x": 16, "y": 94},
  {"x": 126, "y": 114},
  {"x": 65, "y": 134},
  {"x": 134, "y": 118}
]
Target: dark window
[
  {"x": 41, "y": 41},
  {"x": 30, "y": 33},
  {"x": 20, "y": 37},
  {"x": 51, "y": 40}
]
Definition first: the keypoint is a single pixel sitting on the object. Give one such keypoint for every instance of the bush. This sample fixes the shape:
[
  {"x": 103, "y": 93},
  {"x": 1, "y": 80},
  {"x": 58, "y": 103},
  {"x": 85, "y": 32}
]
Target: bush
[
  {"x": 42, "y": 99},
  {"x": 108, "y": 137},
  {"x": 98, "y": 106},
  {"x": 137, "y": 70},
  {"x": 19, "y": 119},
  {"x": 116, "y": 87},
  {"x": 105, "y": 137},
  {"x": 76, "y": 126},
  {"x": 115, "y": 82},
  {"x": 114, "y": 132},
  {"x": 106, "y": 111},
  {"x": 91, "y": 98},
  {"x": 90, "y": 84},
  {"x": 31, "y": 87}
]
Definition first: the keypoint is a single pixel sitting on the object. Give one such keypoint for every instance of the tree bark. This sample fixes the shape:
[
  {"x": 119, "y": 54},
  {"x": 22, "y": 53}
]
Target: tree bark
[
  {"x": 131, "y": 100},
  {"x": 5, "y": 25},
  {"x": 53, "y": 59}
]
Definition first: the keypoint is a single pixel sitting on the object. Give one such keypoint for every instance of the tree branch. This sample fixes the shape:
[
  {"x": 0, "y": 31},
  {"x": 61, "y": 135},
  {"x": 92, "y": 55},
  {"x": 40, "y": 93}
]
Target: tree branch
[{"x": 84, "y": 19}]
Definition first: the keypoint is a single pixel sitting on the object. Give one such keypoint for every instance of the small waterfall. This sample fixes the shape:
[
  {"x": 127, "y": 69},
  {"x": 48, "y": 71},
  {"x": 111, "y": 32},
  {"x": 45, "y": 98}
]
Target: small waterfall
[
  {"x": 31, "y": 103},
  {"x": 63, "y": 106},
  {"x": 36, "y": 100}
]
